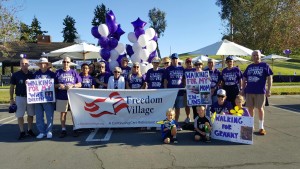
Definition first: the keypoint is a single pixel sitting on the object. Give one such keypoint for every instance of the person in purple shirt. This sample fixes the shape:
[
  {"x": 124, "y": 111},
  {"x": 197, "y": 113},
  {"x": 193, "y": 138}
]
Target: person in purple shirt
[
  {"x": 135, "y": 79},
  {"x": 174, "y": 78},
  {"x": 188, "y": 68},
  {"x": 103, "y": 76},
  {"x": 44, "y": 129},
  {"x": 154, "y": 76},
  {"x": 239, "y": 101},
  {"x": 254, "y": 86},
  {"x": 232, "y": 80},
  {"x": 87, "y": 81},
  {"x": 125, "y": 68},
  {"x": 222, "y": 106},
  {"x": 65, "y": 79}
]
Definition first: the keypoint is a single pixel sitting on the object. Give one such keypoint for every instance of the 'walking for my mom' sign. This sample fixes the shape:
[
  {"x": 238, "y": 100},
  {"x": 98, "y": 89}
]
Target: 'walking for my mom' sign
[
  {"x": 40, "y": 91},
  {"x": 198, "y": 88}
]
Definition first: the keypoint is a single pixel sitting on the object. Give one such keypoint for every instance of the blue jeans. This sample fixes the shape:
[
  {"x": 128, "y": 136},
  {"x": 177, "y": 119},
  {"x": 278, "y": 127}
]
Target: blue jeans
[{"x": 39, "y": 112}]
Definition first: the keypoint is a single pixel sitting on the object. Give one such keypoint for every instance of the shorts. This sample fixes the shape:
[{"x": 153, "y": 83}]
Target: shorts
[
  {"x": 22, "y": 106},
  {"x": 255, "y": 100},
  {"x": 179, "y": 102},
  {"x": 62, "y": 105},
  {"x": 167, "y": 134}
]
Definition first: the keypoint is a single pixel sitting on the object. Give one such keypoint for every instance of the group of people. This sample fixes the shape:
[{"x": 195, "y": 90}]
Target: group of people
[{"x": 171, "y": 75}]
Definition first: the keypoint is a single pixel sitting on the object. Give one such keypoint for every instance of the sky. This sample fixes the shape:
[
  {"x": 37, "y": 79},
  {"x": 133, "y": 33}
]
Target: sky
[{"x": 191, "y": 24}]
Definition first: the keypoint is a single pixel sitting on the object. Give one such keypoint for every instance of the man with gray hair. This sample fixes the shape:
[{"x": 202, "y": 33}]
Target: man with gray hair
[{"x": 254, "y": 86}]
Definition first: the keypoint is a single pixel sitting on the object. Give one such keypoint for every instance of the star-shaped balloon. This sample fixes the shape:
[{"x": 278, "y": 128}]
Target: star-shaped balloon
[{"x": 138, "y": 23}]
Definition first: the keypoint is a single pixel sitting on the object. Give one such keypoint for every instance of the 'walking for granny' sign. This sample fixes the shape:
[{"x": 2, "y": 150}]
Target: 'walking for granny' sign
[
  {"x": 40, "y": 91},
  {"x": 198, "y": 88}
]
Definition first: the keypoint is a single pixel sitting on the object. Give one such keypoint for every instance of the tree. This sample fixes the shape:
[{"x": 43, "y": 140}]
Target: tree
[
  {"x": 35, "y": 30},
  {"x": 25, "y": 32},
  {"x": 99, "y": 15},
  {"x": 69, "y": 31},
  {"x": 271, "y": 25},
  {"x": 9, "y": 27},
  {"x": 158, "y": 23}
]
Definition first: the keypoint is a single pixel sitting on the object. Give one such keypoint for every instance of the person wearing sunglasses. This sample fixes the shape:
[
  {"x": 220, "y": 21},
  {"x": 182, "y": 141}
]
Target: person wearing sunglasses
[
  {"x": 231, "y": 80},
  {"x": 87, "y": 80},
  {"x": 174, "y": 78},
  {"x": 65, "y": 79},
  {"x": 166, "y": 62},
  {"x": 125, "y": 68},
  {"x": 222, "y": 106},
  {"x": 103, "y": 76},
  {"x": 117, "y": 81},
  {"x": 188, "y": 68},
  {"x": 135, "y": 79},
  {"x": 154, "y": 76}
]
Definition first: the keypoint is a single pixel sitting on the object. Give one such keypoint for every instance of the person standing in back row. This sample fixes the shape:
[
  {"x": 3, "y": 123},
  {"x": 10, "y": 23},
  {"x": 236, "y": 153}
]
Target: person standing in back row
[
  {"x": 18, "y": 85},
  {"x": 254, "y": 86}
]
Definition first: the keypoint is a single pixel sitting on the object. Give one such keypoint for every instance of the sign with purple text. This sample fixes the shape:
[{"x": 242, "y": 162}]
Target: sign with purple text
[
  {"x": 198, "y": 88},
  {"x": 237, "y": 129},
  {"x": 40, "y": 91}
]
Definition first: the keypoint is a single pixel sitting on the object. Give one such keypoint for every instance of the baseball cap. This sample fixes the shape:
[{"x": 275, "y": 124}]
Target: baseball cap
[
  {"x": 229, "y": 58},
  {"x": 198, "y": 62},
  {"x": 155, "y": 60},
  {"x": 12, "y": 108},
  {"x": 174, "y": 56},
  {"x": 221, "y": 92},
  {"x": 210, "y": 60}
]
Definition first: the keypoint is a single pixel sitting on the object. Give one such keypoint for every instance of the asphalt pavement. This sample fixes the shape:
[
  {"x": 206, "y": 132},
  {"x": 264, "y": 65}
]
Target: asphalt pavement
[{"x": 136, "y": 149}]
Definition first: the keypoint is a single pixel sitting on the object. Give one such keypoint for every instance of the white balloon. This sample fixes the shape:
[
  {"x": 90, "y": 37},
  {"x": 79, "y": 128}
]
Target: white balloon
[
  {"x": 114, "y": 54},
  {"x": 113, "y": 64},
  {"x": 142, "y": 40},
  {"x": 135, "y": 58},
  {"x": 150, "y": 32},
  {"x": 144, "y": 54},
  {"x": 120, "y": 48},
  {"x": 143, "y": 68},
  {"x": 103, "y": 30},
  {"x": 151, "y": 46},
  {"x": 136, "y": 47},
  {"x": 131, "y": 37}
]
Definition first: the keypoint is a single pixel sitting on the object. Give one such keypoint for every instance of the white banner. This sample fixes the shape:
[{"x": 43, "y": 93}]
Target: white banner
[
  {"x": 104, "y": 108},
  {"x": 233, "y": 128},
  {"x": 40, "y": 91},
  {"x": 198, "y": 88}
]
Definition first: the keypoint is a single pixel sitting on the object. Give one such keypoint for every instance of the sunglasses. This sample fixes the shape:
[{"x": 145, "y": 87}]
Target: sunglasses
[
  {"x": 125, "y": 60},
  {"x": 221, "y": 96},
  {"x": 136, "y": 67},
  {"x": 166, "y": 63},
  {"x": 116, "y": 72},
  {"x": 66, "y": 62}
]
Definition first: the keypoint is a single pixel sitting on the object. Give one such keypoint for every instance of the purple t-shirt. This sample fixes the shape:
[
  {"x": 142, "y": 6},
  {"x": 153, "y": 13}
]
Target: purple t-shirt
[
  {"x": 103, "y": 78},
  {"x": 189, "y": 70},
  {"x": 256, "y": 76},
  {"x": 215, "y": 76},
  {"x": 87, "y": 81},
  {"x": 135, "y": 82},
  {"x": 232, "y": 76},
  {"x": 125, "y": 71},
  {"x": 155, "y": 78},
  {"x": 175, "y": 77},
  {"x": 226, "y": 107},
  {"x": 70, "y": 77},
  {"x": 46, "y": 75}
]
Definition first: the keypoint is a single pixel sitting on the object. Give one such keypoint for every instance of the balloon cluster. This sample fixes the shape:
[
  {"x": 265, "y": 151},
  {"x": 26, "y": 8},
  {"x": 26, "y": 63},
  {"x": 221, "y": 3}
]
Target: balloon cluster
[
  {"x": 108, "y": 36},
  {"x": 23, "y": 55},
  {"x": 144, "y": 45}
]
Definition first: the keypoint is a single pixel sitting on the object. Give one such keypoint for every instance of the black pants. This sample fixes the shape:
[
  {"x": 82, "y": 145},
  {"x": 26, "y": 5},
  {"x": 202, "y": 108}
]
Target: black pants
[{"x": 231, "y": 92}]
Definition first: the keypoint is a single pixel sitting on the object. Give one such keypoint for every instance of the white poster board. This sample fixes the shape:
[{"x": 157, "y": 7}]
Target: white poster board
[{"x": 40, "y": 91}]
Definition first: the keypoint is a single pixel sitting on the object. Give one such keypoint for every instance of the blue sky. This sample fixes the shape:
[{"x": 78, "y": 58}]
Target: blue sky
[{"x": 191, "y": 24}]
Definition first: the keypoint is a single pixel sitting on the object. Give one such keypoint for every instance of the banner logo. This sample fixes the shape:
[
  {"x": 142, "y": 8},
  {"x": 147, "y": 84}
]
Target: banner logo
[{"x": 118, "y": 104}]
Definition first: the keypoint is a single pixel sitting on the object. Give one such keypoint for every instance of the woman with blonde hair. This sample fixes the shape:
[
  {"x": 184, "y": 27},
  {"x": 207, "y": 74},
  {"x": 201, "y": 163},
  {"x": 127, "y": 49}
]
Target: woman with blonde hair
[{"x": 135, "y": 78}]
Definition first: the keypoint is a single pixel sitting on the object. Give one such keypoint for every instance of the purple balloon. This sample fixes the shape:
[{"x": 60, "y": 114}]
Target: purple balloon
[
  {"x": 138, "y": 32},
  {"x": 118, "y": 33},
  {"x": 111, "y": 22},
  {"x": 129, "y": 50},
  {"x": 120, "y": 58},
  {"x": 105, "y": 54},
  {"x": 95, "y": 32},
  {"x": 155, "y": 37},
  {"x": 138, "y": 23},
  {"x": 287, "y": 51},
  {"x": 103, "y": 42},
  {"x": 113, "y": 43},
  {"x": 151, "y": 56}
]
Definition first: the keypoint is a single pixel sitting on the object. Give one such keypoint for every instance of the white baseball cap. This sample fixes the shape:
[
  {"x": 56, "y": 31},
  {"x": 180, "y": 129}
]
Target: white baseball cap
[{"x": 221, "y": 92}]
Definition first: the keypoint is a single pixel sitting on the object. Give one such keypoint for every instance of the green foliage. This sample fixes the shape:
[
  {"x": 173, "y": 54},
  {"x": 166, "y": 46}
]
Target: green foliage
[
  {"x": 25, "y": 32},
  {"x": 99, "y": 15},
  {"x": 69, "y": 31},
  {"x": 157, "y": 20},
  {"x": 35, "y": 30}
]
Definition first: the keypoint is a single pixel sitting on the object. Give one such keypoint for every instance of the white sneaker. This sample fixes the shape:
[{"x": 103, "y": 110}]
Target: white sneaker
[
  {"x": 187, "y": 120},
  {"x": 40, "y": 136},
  {"x": 49, "y": 134}
]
